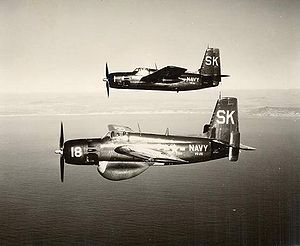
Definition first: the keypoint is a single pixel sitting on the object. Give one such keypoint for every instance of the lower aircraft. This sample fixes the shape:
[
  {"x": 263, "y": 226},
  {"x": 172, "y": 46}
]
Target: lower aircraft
[
  {"x": 123, "y": 154},
  {"x": 169, "y": 78}
]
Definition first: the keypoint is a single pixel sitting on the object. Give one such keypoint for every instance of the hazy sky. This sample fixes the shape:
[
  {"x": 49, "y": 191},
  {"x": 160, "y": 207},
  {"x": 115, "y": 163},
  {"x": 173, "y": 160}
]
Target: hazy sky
[{"x": 63, "y": 45}]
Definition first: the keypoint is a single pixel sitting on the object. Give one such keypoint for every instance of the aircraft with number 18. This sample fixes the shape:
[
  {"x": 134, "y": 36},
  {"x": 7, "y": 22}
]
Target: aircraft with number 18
[
  {"x": 123, "y": 154},
  {"x": 169, "y": 78}
]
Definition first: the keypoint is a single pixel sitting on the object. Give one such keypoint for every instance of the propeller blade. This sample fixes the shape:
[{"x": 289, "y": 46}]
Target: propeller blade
[
  {"x": 107, "y": 88},
  {"x": 61, "y": 140},
  {"x": 107, "y": 79},
  {"x": 106, "y": 71},
  {"x": 61, "y": 145},
  {"x": 62, "y": 168}
]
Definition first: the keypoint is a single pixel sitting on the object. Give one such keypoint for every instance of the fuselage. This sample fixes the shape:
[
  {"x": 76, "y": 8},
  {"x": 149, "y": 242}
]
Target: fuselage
[
  {"x": 133, "y": 80},
  {"x": 189, "y": 149}
]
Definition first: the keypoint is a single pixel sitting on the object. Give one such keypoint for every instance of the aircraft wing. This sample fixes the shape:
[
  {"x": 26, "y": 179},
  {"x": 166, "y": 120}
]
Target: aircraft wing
[
  {"x": 147, "y": 154},
  {"x": 168, "y": 73},
  {"x": 119, "y": 128}
]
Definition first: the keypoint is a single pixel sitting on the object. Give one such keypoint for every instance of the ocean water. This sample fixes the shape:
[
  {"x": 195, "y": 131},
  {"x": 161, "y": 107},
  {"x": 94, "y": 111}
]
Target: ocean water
[{"x": 255, "y": 201}]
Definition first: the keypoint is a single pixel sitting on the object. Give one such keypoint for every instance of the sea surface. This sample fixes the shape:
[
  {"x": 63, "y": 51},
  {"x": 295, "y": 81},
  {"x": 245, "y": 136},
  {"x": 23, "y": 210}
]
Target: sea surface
[{"x": 255, "y": 201}]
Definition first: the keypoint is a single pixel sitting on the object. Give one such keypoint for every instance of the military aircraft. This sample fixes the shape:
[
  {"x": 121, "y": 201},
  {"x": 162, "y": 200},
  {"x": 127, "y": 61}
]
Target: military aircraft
[
  {"x": 169, "y": 78},
  {"x": 123, "y": 154}
]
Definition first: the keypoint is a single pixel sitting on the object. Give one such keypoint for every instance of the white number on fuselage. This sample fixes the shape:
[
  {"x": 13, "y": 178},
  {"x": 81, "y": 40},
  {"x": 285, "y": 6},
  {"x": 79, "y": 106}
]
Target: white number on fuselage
[{"x": 76, "y": 151}]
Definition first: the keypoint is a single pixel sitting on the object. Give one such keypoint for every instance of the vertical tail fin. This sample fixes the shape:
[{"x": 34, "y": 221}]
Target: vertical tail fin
[
  {"x": 224, "y": 125},
  {"x": 210, "y": 70}
]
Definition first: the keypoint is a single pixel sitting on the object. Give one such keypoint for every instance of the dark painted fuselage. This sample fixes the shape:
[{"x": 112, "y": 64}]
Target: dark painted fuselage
[
  {"x": 189, "y": 149},
  {"x": 133, "y": 80}
]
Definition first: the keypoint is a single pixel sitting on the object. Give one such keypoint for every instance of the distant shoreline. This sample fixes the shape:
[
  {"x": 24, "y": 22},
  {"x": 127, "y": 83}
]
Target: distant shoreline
[
  {"x": 262, "y": 112},
  {"x": 262, "y": 103},
  {"x": 97, "y": 91}
]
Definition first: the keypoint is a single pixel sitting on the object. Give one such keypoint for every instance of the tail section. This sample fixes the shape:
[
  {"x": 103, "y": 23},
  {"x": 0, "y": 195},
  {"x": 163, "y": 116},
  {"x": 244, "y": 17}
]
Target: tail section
[
  {"x": 210, "y": 70},
  {"x": 224, "y": 120},
  {"x": 224, "y": 126}
]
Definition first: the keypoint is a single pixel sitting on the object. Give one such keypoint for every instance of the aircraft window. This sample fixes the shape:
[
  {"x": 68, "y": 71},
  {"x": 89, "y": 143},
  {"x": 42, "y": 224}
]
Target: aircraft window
[
  {"x": 142, "y": 71},
  {"x": 117, "y": 134},
  {"x": 114, "y": 134}
]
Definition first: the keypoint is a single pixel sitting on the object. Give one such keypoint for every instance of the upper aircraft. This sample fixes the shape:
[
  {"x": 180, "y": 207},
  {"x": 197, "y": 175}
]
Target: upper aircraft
[
  {"x": 123, "y": 153},
  {"x": 169, "y": 78}
]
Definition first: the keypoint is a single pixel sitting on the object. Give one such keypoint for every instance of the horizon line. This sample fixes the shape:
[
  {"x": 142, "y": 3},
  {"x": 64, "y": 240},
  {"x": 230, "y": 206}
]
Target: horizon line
[{"x": 94, "y": 91}]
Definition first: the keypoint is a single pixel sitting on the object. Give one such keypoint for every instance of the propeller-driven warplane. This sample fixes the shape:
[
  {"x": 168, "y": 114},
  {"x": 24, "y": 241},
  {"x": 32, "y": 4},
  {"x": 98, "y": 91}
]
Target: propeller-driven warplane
[
  {"x": 123, "y": 154},
  {"x": 169, "y": 78}
]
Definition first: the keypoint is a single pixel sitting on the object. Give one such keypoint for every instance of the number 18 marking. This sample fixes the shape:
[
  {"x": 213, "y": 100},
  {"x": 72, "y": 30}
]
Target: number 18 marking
[{"x": 76, "y": 151}]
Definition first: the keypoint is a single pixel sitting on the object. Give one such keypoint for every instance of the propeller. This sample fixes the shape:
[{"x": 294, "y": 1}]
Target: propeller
[
  {"x": 106, "y": 79},
  {"x": 61, "y": 140},
  {"x": 60, "y": 152}
]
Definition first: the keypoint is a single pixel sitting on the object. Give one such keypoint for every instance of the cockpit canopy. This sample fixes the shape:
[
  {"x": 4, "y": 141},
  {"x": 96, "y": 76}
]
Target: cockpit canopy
[
  {"x": 115, "y": 131},
  {"x": 142, "y": 71},
  {"x": 115, "y": 134}
]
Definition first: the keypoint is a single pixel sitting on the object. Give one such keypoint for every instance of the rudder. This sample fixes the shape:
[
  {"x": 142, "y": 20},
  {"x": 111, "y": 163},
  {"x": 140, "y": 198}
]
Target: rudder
[
  {"x": 210, "y": 70},
  {"x": 224, "y": 125}
]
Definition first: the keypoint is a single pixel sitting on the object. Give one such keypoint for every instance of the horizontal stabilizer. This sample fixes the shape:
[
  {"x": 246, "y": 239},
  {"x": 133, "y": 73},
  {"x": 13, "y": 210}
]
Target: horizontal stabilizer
[
  {"x": 242, "y": 146},
  {"x": 245, "y": 147},
  {"x": 215, "y": 75}
]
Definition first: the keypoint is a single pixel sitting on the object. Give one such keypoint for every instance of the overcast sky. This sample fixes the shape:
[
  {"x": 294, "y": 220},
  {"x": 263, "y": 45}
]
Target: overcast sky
[{"x": 63, "y": 45}]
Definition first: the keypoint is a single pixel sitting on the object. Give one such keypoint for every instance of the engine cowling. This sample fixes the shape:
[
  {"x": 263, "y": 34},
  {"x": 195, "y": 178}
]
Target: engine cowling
[
  {"x": 75, "y": 151},
  {"x": 235, "y": 142},
  {"x": 81, "y": 152},
  {"x": 116, "y": 170}
]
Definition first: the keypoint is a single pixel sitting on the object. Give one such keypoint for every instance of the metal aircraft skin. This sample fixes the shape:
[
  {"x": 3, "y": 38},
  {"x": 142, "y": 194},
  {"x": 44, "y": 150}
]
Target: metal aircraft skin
[
  {"x": 169, "y": 78},
  {"x": 123, "y": 154}
]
